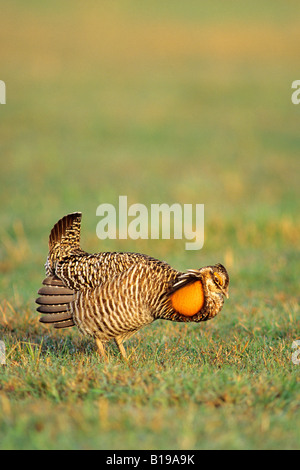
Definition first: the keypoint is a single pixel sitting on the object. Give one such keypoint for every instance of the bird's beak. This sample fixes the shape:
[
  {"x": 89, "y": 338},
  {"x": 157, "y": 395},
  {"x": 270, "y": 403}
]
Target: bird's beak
[{"x": 226, "y": 293}]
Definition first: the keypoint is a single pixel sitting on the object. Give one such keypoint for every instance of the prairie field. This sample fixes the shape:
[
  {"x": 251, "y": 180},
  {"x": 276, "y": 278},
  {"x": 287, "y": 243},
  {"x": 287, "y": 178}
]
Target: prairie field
[{"x": 164, "y": 102}]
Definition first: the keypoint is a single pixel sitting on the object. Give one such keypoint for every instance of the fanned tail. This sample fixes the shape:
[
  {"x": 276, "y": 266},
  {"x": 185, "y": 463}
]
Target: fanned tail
[
  {"x": 65, "y": 234},
  {"x": 55, "y": 298},
  {"x": 54, "y": 301},
  {"x": 64, "y": 238}
]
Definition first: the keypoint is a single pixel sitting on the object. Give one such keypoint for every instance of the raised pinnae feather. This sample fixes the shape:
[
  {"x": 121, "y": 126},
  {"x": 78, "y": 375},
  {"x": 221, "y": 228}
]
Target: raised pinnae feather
[{"x": 191, "y": 275}]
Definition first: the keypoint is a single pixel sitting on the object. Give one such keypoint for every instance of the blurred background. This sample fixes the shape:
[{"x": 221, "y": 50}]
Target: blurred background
[{"x": 164, "y": 102}]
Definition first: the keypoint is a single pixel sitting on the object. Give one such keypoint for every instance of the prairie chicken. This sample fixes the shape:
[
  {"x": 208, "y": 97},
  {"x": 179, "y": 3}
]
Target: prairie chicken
[{"x": 113, "y": 295}]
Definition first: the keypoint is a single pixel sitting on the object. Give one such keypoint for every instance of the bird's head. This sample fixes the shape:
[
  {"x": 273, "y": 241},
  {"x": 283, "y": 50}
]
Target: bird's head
[
  {"x": 216, "y": 279},
  {"x": 200, "y": 291}
]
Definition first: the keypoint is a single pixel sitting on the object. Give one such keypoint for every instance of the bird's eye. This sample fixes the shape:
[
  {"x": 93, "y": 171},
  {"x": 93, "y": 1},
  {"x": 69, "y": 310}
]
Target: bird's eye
[{"x": 218, "y": 280}]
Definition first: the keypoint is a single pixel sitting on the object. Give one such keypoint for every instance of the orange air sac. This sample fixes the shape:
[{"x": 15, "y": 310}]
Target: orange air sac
[{"x": 189, "y": 299}]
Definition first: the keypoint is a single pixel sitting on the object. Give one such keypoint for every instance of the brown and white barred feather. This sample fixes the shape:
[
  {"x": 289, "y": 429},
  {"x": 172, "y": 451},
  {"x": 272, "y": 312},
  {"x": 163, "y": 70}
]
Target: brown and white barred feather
[{"x": 113, "y": 295}]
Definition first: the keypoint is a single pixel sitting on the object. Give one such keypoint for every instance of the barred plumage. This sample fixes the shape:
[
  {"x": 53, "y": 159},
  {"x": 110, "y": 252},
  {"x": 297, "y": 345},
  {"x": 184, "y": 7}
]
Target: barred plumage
[{"x": 112, "y": 295}]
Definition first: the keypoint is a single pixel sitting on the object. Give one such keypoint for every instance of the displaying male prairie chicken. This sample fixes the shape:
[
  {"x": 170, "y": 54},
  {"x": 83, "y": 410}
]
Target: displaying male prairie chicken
[{"x": 113, "y": 295}]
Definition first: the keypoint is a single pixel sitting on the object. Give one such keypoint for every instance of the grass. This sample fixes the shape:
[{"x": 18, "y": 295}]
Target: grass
[
  {"x": 189, "y": 106},
  {"x": 230, "y": 384}
]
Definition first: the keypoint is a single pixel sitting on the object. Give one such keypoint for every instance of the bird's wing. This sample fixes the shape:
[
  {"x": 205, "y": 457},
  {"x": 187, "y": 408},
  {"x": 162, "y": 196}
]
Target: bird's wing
[{"x": 121, "y": 304}]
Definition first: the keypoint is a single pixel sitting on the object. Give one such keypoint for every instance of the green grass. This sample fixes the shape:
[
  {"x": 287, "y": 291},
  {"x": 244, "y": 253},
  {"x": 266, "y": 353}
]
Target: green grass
[
  {"x": 193, "y": 106},
  {"x": 228, "y": 384}
]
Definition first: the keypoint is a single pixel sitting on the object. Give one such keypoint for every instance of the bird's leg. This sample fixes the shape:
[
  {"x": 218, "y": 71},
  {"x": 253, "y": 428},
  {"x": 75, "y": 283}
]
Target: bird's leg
[
  {"x": 101, "y": 350},
  {"x": 119, "y": 343}
]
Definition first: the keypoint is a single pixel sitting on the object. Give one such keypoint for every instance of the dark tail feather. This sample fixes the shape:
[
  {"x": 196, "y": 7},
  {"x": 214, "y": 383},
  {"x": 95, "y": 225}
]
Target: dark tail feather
[{"x": 54, "y": 301}]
